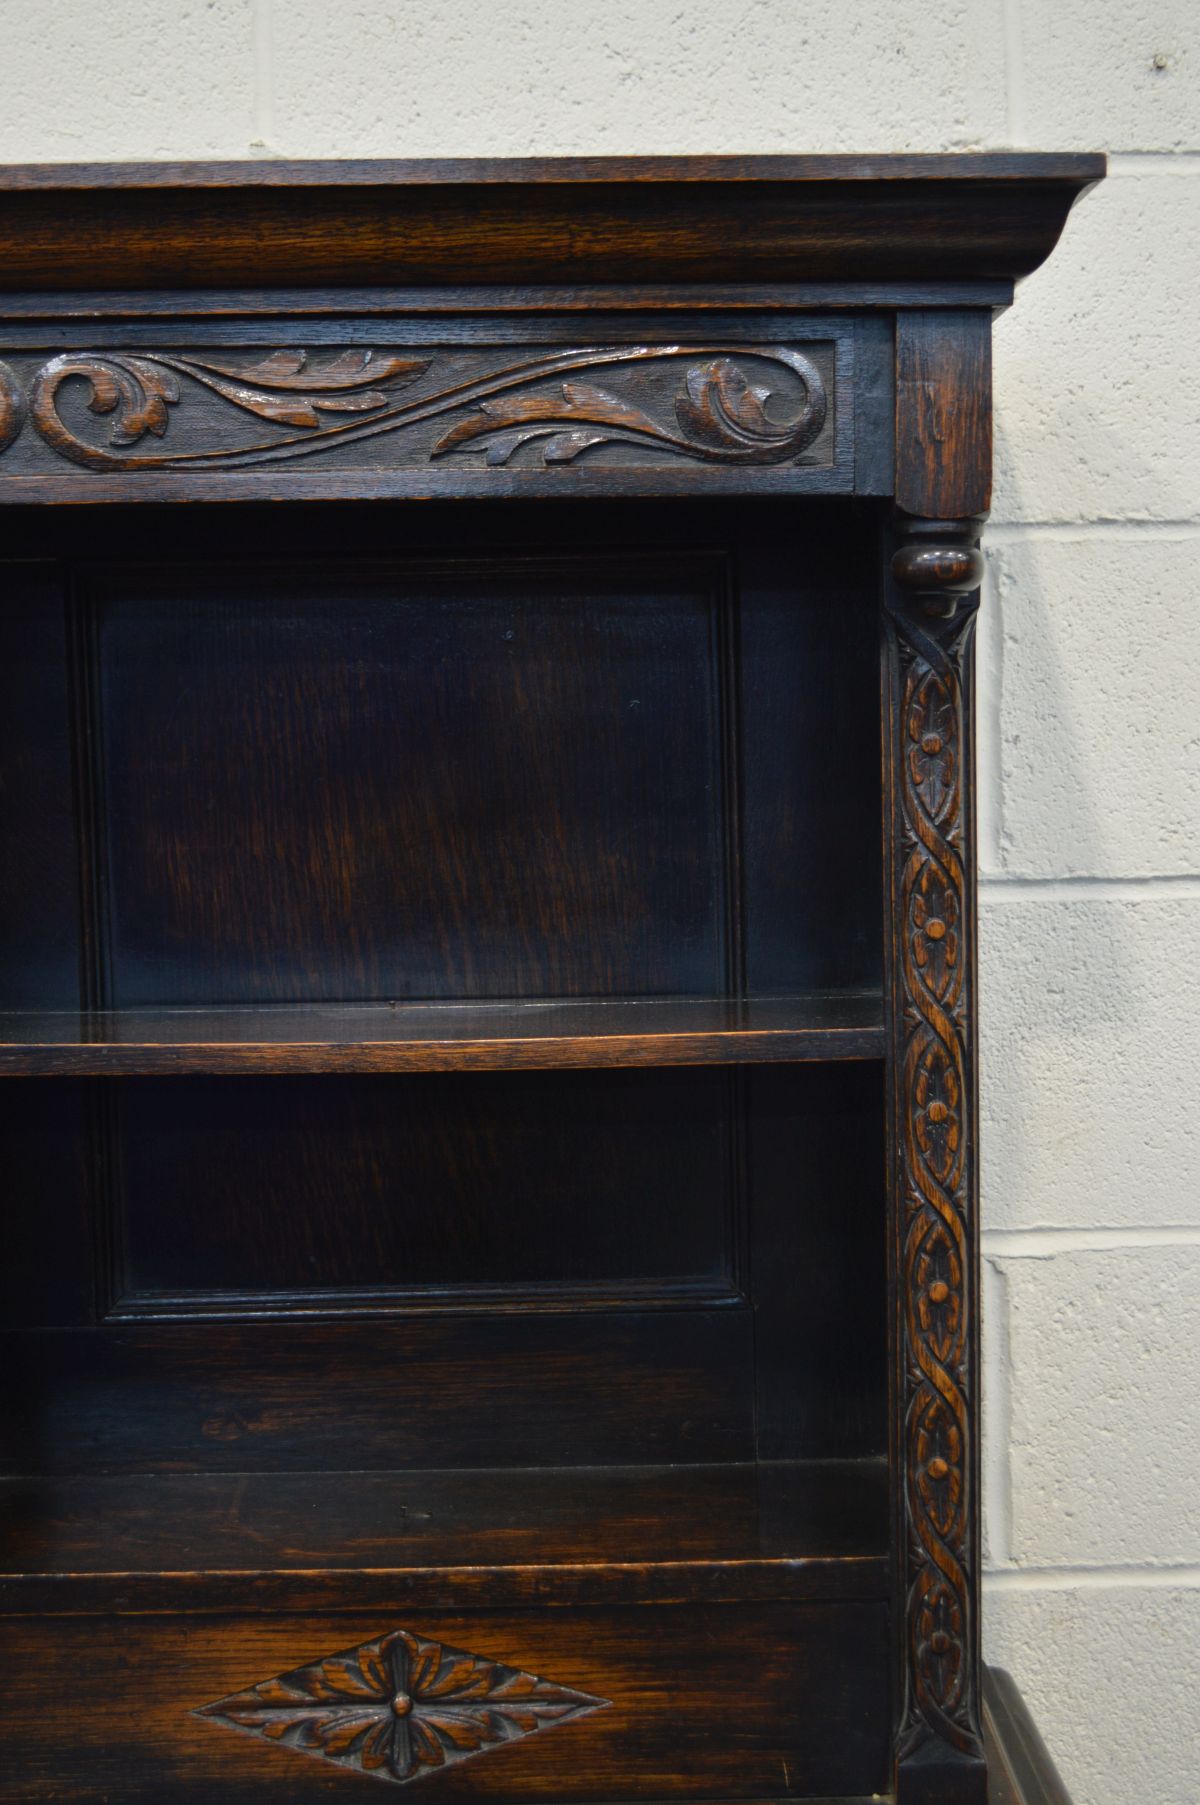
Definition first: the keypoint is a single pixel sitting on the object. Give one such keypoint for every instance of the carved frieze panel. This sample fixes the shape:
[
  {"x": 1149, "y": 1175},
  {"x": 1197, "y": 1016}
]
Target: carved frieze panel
[
  {"x": 401, "y": 1707},
  {"x": 435, "y": 408}
]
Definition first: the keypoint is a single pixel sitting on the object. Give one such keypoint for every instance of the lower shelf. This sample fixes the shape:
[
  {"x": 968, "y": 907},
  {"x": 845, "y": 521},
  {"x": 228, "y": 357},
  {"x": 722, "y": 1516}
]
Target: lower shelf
[
  {"x": 381, "y": 1623},
  {"x": 330, "y": 1541}
]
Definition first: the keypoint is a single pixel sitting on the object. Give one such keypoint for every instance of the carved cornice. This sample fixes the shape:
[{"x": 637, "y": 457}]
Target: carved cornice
[
  {"x": 932, "y": 219},
  {"x": 400, "y": 1707}
]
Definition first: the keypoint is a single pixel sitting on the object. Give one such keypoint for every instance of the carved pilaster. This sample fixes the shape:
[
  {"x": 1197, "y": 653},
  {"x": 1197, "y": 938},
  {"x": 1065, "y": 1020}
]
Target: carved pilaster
[{"x": 930, "y": 620}]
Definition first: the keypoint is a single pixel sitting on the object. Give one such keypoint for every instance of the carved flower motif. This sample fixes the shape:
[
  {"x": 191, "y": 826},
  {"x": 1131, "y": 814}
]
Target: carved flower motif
[
  {"x": 937, "y": 1287},
  {"x": 939, "y": 1629},
  {"x": 933, "y": 925},
  {"x": 932, "y": 745},
  {"x": 937, "y": 1122},
  {"x": 937, "y": 1466},
  {"x": 401, "y": 1706}
]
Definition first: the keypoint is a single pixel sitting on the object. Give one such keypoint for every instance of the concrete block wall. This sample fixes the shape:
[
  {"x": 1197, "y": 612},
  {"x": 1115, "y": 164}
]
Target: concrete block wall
[{"x": 1090, "y": 698}]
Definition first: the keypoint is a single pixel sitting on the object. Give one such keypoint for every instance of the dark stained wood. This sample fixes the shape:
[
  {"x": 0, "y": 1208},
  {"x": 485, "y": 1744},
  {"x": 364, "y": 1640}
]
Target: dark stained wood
[
  {"x": 600, "y": 220},
  {"x": 943, "y": 461},
  {"x": 400, "y": 1706},
  {"x": 39, "y": 902},
  {"x": 671, "y": 1729},
  {"x": 279, "y": 800},
  {"x": 734, "y": 406},
  {"x": 275, "y": 828},
  {"x": 818, "y": 1266},
  {"x": 938, "y": 571},
  {"x": 526, "y": 310},
  {"x": 426, "y": 1191},
  {"x": 414, "y": 1037},
  {"x": 492, "y": 1250},
  {"x": 944, "y": 414},
  {"x": 463, "y": 482},
  {"x": 272, "y": 1262},
  {"x": 45, "y": 1132},
  {"x": 554, "y": 1535},
  {"x": 809, "y": 803},
  {"x": 875, "y": 404},
  {"x": 475, "y": 1388},
  {"x": 1019, "y": 168}
]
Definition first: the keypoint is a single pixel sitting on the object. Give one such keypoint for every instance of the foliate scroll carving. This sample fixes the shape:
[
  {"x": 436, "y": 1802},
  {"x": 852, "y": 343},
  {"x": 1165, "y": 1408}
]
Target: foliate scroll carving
[
  {"x": 400, "y": 1707},
  {"x": 139, "y": 389},
  {"x": 749, "y": 406},
  {"x": 721, "y": 417},
  {"x": 936, "y": 1185},
  {"x": 12, "y": 407}
]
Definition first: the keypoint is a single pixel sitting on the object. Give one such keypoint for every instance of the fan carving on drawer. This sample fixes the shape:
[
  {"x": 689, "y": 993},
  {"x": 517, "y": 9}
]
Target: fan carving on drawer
[{"x": 401, "y": 1706}]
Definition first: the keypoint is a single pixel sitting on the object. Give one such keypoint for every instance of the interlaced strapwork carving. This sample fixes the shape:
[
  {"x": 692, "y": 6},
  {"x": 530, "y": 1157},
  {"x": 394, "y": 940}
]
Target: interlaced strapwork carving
[{"x": 933, "y": 968}]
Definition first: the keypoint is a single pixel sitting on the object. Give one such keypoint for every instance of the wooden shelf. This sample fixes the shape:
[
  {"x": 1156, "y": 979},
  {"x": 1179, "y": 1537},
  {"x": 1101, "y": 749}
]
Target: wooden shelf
[
  {"x": 238, "y": 1542},
  {"x": 419, "y": 1037}
]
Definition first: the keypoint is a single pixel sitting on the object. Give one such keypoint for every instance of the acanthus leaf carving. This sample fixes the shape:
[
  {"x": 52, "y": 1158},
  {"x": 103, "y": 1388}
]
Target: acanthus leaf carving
[
  {"x": 769, "y": 412},
  {"x": 12, "y": 407},
  {"x": 282, "y": 387},
  {"x": 721, "y": 415},
  {"x": 139, "y": 388},
  {"x": 400, "y": 1707}
]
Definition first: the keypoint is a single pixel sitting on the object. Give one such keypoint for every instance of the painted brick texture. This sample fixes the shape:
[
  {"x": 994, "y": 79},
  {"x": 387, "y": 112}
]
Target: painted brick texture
[
  {"x": 1091, "y": 1049},
  {"x": 1120, "y": 1663}
]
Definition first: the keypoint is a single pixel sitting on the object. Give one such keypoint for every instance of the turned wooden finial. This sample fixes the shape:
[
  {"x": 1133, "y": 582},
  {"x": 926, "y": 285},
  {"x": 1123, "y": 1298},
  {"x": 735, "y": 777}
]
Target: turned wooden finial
[{"x": 939, "y": 563}]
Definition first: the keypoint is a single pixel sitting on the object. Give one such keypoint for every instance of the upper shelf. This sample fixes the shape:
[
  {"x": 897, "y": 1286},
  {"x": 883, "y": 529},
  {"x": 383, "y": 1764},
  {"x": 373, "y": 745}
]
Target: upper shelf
[
  {"x": 415, "y": 1037},
  {"x": 932, "y": 220}
]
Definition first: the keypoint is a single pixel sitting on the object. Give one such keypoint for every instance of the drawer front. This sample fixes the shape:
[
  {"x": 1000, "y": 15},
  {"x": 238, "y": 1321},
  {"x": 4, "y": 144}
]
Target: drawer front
[{"x": 629, "y": 1703}]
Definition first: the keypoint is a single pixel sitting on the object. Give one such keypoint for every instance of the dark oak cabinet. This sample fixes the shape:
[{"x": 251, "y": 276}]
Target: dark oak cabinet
[{"x": 487, "y": 943}]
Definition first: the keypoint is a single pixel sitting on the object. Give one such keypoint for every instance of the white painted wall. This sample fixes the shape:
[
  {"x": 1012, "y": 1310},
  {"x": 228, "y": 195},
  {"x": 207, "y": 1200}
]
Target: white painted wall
[{"x": 1090, "y": 755}]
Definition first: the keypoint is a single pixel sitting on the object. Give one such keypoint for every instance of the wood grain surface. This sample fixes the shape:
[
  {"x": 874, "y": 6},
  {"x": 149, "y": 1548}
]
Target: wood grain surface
[
  {"x": 546, "y": 1536},
  {"x": 415, "y": 1037},
  {"x": 759, "y": 1701},
  {"x": 492, "y": 1254},
  {"x": 532, "y": 220}
]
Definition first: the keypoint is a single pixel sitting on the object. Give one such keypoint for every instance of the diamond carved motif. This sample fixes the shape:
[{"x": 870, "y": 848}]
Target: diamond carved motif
[{"x": 400, "y": 1707}]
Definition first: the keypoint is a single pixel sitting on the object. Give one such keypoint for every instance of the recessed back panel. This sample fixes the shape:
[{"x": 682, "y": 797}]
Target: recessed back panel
[
  {"x": 503, "y": 1189},
  {"x": 294, "y": 757},
  {"x": 362, "y": 780}
]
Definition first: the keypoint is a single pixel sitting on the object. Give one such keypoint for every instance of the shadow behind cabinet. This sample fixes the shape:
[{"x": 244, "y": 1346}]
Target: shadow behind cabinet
[{"x": 490, "y": 1295}]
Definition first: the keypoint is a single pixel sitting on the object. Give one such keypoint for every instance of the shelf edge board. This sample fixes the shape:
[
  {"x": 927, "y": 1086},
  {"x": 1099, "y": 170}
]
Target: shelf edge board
[
  {"x": 717, "y": 1047},
  {"x": 226, "y": 1591}
]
